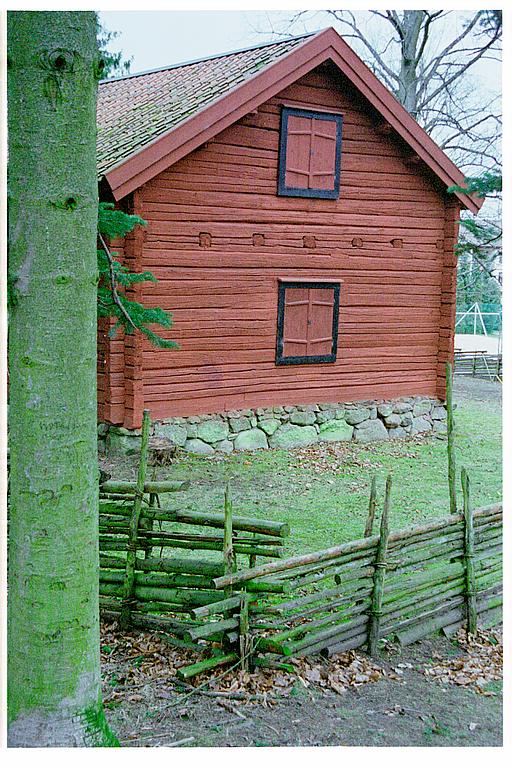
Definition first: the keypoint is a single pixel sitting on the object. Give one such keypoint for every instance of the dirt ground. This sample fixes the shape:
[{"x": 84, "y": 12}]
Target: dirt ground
[
  {"x": 471, "y": 388},
  {"x": 399, "y": 702}
]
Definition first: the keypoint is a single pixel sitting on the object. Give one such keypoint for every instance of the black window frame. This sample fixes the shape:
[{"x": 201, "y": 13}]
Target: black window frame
[
  {"x": 307, "y": 359},
  {"x": 282, "y": 188}
]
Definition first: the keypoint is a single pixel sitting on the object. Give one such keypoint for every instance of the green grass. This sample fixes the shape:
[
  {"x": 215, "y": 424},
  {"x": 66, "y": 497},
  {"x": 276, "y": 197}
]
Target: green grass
[{"x": 323, "y": 492}]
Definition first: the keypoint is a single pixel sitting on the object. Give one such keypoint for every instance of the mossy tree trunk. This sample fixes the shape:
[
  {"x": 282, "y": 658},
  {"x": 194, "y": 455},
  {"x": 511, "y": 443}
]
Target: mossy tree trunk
[{"x": 53, "y": 626}]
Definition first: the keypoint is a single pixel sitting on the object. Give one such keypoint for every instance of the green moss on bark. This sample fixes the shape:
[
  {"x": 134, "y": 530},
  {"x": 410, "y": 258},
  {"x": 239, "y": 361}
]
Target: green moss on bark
[{"x": 53, "y": 624}]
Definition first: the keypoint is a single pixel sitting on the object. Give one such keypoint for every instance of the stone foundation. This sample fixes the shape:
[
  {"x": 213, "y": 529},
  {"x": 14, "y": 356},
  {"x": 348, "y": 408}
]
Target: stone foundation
[{"x": 288, "y": 426}]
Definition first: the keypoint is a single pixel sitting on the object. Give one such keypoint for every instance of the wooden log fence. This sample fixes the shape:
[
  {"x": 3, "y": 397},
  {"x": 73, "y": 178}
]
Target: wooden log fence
[{"x": 400, "y": 584}]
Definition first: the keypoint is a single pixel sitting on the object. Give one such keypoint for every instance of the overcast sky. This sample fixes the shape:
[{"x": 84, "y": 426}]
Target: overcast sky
[{"x": 159, "y": 38}]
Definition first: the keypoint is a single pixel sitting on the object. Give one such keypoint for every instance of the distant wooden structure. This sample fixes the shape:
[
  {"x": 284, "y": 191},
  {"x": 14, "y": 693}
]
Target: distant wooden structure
[{"x": 299, "y": 227}]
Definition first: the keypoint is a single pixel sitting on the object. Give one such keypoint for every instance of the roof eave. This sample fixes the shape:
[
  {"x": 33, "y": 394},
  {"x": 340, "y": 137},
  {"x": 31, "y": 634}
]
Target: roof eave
[{"x": 154, "y": 157}]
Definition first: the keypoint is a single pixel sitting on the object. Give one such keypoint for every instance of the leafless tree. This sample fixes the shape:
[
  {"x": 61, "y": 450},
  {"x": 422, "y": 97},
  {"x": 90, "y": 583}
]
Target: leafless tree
[{"x": 428, "y": 64}]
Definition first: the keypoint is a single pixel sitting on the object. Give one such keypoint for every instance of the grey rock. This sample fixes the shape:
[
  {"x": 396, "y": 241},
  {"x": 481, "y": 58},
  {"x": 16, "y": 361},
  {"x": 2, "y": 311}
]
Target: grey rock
[
  {"x": 406, "y": 420},
  {"x": 212, "y": 431},
  {"x": 269, "y": 426},
  {"x": 251, "y": 440},
  {"x": 199, "y": 447},
  {"x": 438, "y": 413},
  {"x": 440, "y": 427},
  {"x": 420, "y": 424},
  {"x": 233, "y": 414},
  {"x": 397, "y": 432},
  {"x": 371, "y": 430},
  {"x": 339, "y": 413},
  {"x": 174, "y": 432},
  {"x": 335, "y": 430},
  {"x": 402, "y": 407},
  {"x": 357, "y": 415},
  {"x": 324, "y": 416},
  {"x": 239, "y": 424},
  {"x": 293, "y": 436},
  {"x": 278, "y": 409},
  {"x": 303, "y": 418},
  {"x": 191, "y": 430},
  {"x": 386, "y": 409},
  {"x": 328, "y": 406},
  {"x": 253, "y": 420},
  {"x": 102, "y": 429},
  {"x": 123, "y": 431},
  {"x": 393, "y": 420},
  {"x": 421, "y": 408},
  {"x": 122, "y": 445},
  {"x": 226, "y": 446}
]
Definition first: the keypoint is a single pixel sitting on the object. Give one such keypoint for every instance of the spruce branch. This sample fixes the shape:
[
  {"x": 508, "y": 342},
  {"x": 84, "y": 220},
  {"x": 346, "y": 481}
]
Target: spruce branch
[{"x": 113, "y": 286}]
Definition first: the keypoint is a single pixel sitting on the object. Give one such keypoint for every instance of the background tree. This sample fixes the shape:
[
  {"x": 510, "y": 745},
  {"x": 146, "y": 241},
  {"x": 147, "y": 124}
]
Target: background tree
[
  {"x": 427, "y": 59},
  {"x": 53, "y": 622},
  {"x": 479, "y": 249},
  {"x": 114, "y": 63}
]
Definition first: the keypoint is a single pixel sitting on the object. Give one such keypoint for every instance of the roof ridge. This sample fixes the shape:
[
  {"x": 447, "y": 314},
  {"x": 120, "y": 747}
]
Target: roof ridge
[{"x": 207, "y": 58}]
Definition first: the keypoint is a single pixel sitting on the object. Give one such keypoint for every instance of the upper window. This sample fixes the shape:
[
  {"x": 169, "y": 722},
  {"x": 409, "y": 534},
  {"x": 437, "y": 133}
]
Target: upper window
[
  {"x": 307, "y": 322},
  {"x": 309, "y": 154}
]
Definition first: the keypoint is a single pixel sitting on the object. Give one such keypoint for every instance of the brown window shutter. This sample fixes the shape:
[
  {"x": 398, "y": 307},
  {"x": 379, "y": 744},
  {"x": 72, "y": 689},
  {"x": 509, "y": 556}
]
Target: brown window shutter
[
  {"x": 320, "y": 312},
  {"x": 310, "y": 148},
  {"x": 295, "y": 330},
  {"x": 307, "y": 322},
  {"x": 322, "y": 161},
  {"x": 298, "y": 152}
]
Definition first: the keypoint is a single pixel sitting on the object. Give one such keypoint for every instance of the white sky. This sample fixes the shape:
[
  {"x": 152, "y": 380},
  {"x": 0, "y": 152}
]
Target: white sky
[{"x": 159, "y": 38}]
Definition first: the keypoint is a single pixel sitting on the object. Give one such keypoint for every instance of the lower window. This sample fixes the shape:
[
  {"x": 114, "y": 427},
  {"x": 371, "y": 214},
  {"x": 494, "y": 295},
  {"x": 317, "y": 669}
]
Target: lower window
[{"x": 307, "y": 322}]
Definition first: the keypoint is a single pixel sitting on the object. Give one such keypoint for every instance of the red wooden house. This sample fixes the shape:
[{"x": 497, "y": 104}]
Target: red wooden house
[{"x": 298, "y": 225}]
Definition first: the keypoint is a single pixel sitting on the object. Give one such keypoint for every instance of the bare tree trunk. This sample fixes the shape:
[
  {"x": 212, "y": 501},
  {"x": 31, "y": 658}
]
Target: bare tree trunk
[
  {"x": 409, "y": 36},
  {"x": 54, "y": 694}
]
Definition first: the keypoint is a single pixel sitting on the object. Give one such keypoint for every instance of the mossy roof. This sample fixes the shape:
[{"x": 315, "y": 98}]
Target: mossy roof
[{"x": 136, "y": 109}]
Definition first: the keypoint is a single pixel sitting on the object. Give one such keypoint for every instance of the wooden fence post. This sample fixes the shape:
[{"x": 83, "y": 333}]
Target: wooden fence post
[
  {"x": 451, "y": 440},
  {"x": 244, "y": 631},
  {"x": 379, "y": 575},
  {"x": 129, "y": 575},
  {"x": 371, "y": 508},
  {"x": 469, "y": 554},
  {"x": 228, "y": 554},
  {"x": 252, "y": 558}
]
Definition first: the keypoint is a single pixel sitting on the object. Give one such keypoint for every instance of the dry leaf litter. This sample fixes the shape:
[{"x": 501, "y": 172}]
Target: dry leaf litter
[{"x": 480, "y": 663}]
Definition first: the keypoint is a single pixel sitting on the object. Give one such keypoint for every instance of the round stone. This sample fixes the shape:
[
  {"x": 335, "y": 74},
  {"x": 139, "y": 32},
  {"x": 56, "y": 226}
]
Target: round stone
[
  {"x": 293, "y": 436},
  {"x": 212, "y": 431},
  {"x": 251, "y": 440}
]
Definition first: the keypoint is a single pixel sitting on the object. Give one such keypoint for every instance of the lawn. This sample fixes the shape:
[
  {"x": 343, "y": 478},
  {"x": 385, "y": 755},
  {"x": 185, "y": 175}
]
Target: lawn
[{"x": 322, "y": 491}]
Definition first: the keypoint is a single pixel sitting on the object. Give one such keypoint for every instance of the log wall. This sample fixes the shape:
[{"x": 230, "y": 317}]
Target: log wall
[{"x": 219, "y": 238}]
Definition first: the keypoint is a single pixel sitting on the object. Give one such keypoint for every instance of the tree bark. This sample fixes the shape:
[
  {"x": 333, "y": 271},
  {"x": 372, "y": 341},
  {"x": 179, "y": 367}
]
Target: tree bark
[
  {"x": 407, "y": 92},
  {"x": 54, "y": 694}
]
